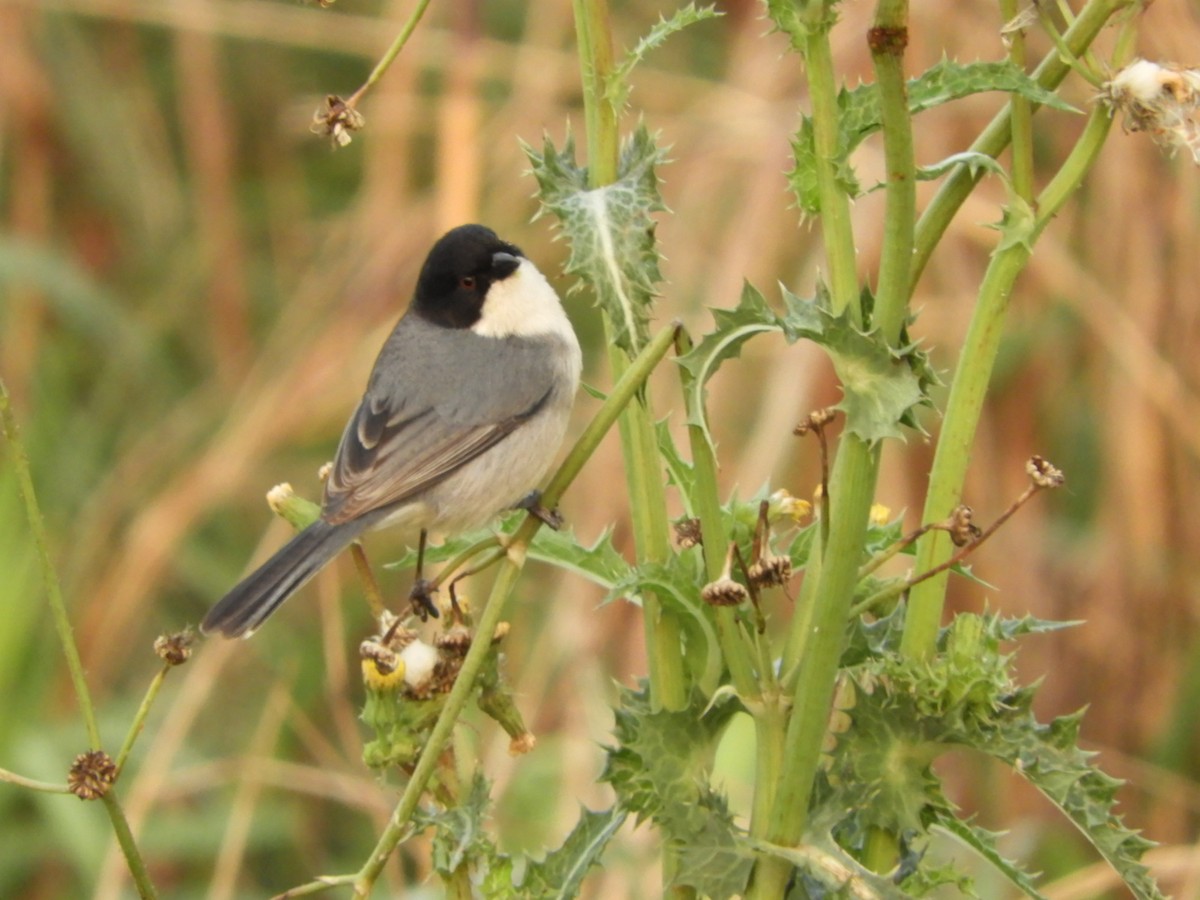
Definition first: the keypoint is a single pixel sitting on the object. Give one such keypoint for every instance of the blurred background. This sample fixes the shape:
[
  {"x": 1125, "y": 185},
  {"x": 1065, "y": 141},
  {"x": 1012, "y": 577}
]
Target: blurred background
[{"x": 192, "y": 291}]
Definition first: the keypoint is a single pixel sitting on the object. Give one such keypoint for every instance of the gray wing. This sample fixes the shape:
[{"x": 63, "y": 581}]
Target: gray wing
[{"x": 437, "y": 399}]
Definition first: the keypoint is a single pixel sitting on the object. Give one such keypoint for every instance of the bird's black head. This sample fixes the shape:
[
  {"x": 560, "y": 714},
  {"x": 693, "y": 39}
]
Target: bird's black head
[{"x": 458, "y": 272}]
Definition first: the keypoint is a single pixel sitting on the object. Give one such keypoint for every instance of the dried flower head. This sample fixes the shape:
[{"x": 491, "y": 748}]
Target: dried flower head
[
  {"x": 522, "y": 744},
  {"x": 1043, "y": 473},
  {"x": 91, "y": 775},
  {"x": 687, "y": 533},
  {"x": 962, "y": 527},
  {"x": 770, "y": 570},
  {"x": 1162, "y": 99},
  {"x": 324, "y": 471},
  {"x": 338, "y": 120},
  {"x": 385, "y": 659},
  {"x": 175, "y": 649},
  {"x": 815, "y": 420},
  {"x": 724, "y": 592},
  {"x": 455, "y": 642}
]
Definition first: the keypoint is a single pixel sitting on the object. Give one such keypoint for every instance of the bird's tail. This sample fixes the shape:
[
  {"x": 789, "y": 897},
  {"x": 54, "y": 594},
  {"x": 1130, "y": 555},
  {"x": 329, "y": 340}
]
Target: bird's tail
[{"x": 247, "y": 606}]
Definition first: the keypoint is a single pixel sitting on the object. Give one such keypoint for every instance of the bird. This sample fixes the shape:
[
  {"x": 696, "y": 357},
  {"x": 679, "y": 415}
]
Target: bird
[{"x": 464, "y": 411}]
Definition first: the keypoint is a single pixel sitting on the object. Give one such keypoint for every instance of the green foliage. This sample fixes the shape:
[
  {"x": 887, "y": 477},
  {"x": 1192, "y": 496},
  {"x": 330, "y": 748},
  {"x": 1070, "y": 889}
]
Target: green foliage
[
  {"x": 894, "y": 715},
  {"x": 659, "y": 769},
  {"x": 462, "y": 848},
  {"x": 859, "y": 116},
  {"x": 609, "y": 229},
  {"x": 880, "y": 384},
  {"x": 617, "y": 87}
]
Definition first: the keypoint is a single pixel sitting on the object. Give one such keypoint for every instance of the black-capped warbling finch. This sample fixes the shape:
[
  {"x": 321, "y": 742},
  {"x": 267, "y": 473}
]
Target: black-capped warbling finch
[{"x": 464, "y": 412}]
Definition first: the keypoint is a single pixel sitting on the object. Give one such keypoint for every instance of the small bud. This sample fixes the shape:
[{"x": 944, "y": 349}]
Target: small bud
[
  {"x": 298, "y": 511},
  {"x": 961, "y": 526},
  {"x": 880, "y": 514},
  {"x": 687, "y": 533},
  {"x": 337, "y": 119},
  {"x": 724, "y": 592},
  {"x": 175, "y": 649},
  {"x": 324, "y": 472},
  {"x": 1043, "y": 473},
  {"x": 91, "y": 775}
]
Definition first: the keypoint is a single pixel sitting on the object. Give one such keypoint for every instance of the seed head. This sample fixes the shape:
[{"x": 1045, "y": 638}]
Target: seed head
[
  {"x": 770, "y": 570},
  {"x": 1043, "y": 473},
  {"x": 687, "y": 533},
  {"x": 91, "y": 775},
  {"x": 961, "y": 526},
  {"x": 1162, "y": 99},
  {"x": 338, "y": 120},
  {"x": 724, "y": 592},
  {"x": 175, "y": 649}
]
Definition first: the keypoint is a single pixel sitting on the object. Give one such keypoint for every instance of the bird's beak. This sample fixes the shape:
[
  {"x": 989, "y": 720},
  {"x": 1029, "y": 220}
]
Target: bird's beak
[{"x": 504, "y": 264}]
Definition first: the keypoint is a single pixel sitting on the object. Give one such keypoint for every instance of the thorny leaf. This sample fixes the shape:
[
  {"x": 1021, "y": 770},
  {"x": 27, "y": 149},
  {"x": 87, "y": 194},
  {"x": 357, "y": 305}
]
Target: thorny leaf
[
  {"x": 859, "y": 116},
  {"x": 610, "y": 229},
  {"x": 659, "y": 770},
  {"x": 898, "y": 714},
  {"x": 616, "y": 90}
]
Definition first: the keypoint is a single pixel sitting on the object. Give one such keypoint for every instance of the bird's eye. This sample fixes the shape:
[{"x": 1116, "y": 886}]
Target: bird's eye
[{"x": 467, "y": 281}]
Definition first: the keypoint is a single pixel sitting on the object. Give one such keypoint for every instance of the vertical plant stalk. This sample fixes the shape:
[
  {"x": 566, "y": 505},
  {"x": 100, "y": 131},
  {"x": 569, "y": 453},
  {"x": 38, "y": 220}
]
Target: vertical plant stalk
[
  {"x": 398, "y": 825},
  {"x": 62, "y": 624},
  {"x": 37, "y": 529},
  {"x": 969, "y": 387},
  {"x": 668, "y": 684},
  {"x": 887, "y": 40},
  {"x": 851, "y": 490}
]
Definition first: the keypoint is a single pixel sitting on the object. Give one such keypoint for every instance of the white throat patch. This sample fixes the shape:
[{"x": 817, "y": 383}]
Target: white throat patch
[{"x": 524, "y": 303}]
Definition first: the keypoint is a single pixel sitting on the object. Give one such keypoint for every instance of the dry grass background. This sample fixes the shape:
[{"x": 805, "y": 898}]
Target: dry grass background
[{"x": 193, "y": 288}]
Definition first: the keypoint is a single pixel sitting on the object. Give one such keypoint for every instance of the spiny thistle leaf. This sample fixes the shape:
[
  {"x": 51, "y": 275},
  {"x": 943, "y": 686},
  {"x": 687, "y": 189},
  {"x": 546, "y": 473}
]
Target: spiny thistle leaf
[
  {"x": 561, "y": 873},
  {"x": 859, "y": 116},
  {"x": 616, "y": 89},
  {"x": 733, "y": 328},
  {"x": 983, "y": 842},
  {"x": 600, "y": 563},
  {"x": 894, "y": 714},
  {"x": 880, "y": 384},
  {"x": 658, "y": 769},
  {"x": 828, "y": 871},
  {"x": 459, "y": 836},
  {"x": 609, "y": 229}
]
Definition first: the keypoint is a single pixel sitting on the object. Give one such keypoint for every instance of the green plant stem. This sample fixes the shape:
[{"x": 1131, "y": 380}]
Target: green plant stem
[
  {"x": 1020, "y": 113},
  {"x": 851, "y": 490},
  {"x": 958, "y": 186},
  {"x": 139, "y": 718},
  {"x": 854, "y": 475},
  {"x": 836, "y": 226},
  {"x": 37, "y": 528},
  {"x": 647, "y": 491},
  {"x": 33, "y": 784},
  {"x": 623, "y": 392},
  {"x": 393, "y": 51},
  {"x": 706, "y": 503},
  {"x": 889, "y": 37},
  {"x": 969, "y": 387},
  {"x": 129, "y": 848}
]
